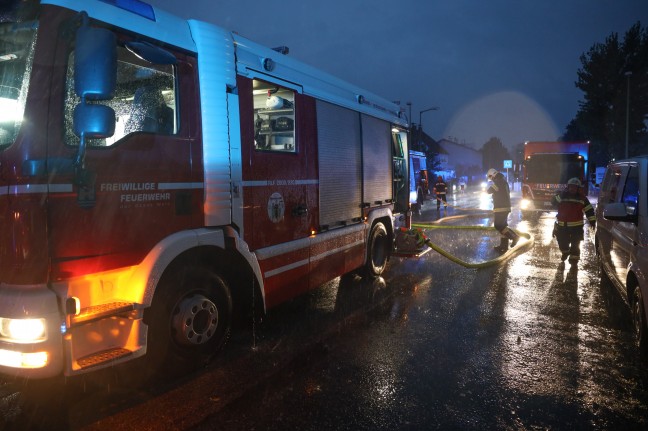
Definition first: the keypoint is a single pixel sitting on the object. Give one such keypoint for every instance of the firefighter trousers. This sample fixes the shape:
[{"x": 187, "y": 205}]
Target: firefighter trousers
[{"x": 569, "y": 239}]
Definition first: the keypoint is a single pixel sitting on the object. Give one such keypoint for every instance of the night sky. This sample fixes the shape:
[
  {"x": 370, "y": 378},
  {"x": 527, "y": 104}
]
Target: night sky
[{"x": 496, "y": 68}]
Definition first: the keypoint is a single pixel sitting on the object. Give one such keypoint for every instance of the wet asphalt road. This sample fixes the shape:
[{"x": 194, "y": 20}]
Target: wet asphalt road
[{"x": 525, "y": 344}]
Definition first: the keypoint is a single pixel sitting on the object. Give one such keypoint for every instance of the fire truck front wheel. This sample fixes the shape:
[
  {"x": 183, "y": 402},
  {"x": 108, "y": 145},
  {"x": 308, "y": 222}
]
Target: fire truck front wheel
[
  {"x": 189, "y": 320},
  {"x": 378, "y": 247}
]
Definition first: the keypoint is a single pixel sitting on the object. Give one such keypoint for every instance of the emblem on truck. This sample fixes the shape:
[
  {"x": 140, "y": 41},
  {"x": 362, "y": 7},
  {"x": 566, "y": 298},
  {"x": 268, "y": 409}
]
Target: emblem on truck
[{"x": 276, "y": 207}]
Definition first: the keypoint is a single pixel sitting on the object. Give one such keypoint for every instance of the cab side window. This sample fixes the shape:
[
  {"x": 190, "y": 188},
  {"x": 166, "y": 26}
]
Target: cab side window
[
  {"x": 145, "y": 99},
  {"x": 611, "y": 185},
  {"x": 274, "y": 117}
]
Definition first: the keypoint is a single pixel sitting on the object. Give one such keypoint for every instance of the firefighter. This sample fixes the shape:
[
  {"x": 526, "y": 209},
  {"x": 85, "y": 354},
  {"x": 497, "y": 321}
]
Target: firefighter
[
  {"x": 568, "y": 229},
  {"x": 440, "y": 189},
  {"x": 499, "y": 188}
]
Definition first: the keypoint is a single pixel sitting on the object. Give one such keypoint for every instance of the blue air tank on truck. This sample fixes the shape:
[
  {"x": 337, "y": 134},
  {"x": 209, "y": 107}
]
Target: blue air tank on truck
[{"x": 547, "y": 168}]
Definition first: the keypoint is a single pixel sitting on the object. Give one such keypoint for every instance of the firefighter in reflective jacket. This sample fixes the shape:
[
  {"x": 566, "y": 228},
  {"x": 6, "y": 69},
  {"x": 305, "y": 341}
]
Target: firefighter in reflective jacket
[
  {"x": 568, "y": 229},
  {"x": 440, "y": 189},
  {"x": 499, "y": 188}
]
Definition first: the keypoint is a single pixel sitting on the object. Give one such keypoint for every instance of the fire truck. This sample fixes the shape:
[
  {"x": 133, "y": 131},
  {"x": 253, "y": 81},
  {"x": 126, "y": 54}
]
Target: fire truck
[
  {"x": 161, "y": 176},
  {"x": 548, "y": 166}
]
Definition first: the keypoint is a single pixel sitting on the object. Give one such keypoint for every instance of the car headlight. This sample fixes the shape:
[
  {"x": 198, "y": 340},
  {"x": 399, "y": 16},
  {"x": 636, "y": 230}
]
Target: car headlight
[
  {"x": 525, "y": 204},
  {"x": 23, "y": 330}
]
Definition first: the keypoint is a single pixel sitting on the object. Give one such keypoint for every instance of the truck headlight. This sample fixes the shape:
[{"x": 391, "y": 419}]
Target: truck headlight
[{"x": 23, "y": 330}]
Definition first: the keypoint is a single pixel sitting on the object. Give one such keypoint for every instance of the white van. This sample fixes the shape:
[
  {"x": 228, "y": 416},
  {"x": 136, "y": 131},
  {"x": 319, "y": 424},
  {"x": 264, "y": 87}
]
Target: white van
[{"x": 622, "y": 237}]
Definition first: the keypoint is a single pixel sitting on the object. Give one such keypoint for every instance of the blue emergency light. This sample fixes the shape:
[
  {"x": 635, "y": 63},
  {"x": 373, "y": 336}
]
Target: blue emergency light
[{"x": 135, "y": 6}]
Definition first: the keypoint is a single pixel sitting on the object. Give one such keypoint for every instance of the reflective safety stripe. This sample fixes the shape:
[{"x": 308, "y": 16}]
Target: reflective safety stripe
[
  {"x": 501, "y": 210},
  {"x": 570, "y": 223}
]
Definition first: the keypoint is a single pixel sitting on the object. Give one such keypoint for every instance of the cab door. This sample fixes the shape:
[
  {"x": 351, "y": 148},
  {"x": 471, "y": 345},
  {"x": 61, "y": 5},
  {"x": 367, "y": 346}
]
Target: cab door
[
  {"x": 279, "y": 181},
  {"x": 137, "y": 186}
]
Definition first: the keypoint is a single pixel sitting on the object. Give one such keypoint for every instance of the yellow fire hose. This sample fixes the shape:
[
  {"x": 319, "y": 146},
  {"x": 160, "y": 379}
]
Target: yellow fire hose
[{"x": 522, "y": 245}]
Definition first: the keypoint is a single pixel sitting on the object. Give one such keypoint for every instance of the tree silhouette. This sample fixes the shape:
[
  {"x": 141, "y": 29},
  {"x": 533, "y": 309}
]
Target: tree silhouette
[
  {"x": 610, "y": 72},
  {"x": 493, "y": 154}
]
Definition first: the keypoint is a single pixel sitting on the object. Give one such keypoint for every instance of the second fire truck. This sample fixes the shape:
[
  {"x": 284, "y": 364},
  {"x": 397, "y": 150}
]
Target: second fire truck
[{"x": 548, "y": 166}]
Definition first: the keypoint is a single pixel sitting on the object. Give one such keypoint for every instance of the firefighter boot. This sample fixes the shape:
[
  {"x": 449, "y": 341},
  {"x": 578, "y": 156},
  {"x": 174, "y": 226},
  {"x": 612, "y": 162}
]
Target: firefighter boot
[
  {"x": 503, "y": 245},
  {"x": 513, "y": 236}
]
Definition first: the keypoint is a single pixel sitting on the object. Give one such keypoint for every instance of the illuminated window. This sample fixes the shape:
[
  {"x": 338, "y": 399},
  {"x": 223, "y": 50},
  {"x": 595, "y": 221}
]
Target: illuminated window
[{"x": 274, "y": 117}]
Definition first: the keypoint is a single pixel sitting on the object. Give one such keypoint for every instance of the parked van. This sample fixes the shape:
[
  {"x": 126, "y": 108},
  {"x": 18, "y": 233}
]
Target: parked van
[{"x": 622, "y": 237}]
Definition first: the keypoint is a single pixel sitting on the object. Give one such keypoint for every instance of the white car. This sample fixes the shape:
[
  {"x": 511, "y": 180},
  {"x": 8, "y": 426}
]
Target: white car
[{"x": 622, "y": 237}]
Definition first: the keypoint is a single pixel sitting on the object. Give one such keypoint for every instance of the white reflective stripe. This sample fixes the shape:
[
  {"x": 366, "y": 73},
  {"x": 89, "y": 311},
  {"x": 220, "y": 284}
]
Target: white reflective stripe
[
  {"x": 25, "y": 189},
  {"x": 262, "y": 183},
  {"x": 178, "y": 186},
  {"x": 285, "y": 268},
  {"x": 67, "y": 188},
  {"x": 303, "y": 262},
  {"x": 60, "y": 188},
  {"x": 337, "y": 250}
]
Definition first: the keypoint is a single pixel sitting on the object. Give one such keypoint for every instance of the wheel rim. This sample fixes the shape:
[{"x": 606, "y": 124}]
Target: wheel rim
[
  {"x": 195, "y": 320},
  {"x": 378, "y": 253}
]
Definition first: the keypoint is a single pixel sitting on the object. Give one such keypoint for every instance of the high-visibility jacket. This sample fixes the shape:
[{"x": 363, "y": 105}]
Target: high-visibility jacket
[
  {"x": 499, "y": 188},
  {"x": 440, "y": 188},
  {"x": 571, "y": 207}
]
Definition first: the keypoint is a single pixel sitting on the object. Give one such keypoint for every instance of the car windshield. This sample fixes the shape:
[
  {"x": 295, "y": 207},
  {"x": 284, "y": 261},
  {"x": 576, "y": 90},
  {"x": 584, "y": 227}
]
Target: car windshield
[{"x": 17, "y": 42}]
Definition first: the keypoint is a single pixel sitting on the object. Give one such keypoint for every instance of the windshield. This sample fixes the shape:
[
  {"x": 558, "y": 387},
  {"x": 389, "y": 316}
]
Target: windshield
[
  {"x": 553, "y": 168},
  {"x": 17, "y": 42}
]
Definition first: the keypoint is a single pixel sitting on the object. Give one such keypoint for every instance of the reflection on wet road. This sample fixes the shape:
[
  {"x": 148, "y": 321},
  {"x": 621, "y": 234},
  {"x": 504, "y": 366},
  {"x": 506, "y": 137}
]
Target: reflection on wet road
[{"x": 530, "y": 344}]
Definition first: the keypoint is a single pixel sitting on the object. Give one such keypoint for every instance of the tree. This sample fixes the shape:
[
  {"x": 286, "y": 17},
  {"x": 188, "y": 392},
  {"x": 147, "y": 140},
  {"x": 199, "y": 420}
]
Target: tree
[
  {"x": 493, "y": 154},
  {"x": 610, "y": 71}
]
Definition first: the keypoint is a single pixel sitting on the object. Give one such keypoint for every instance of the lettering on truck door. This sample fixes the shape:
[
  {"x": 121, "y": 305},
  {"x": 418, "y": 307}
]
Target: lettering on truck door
[{"x": 279, "y": 182}]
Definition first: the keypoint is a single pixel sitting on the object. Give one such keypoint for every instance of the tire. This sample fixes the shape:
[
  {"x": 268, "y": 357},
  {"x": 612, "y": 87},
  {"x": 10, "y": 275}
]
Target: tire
[
  {"x": 378, "y": 248},
  {"x": 189, "y": 321},
  {"x": 639, "y": 321}
]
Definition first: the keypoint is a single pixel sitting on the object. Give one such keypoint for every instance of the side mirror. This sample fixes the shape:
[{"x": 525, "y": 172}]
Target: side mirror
[
  {"x": 95, "y": 78},
  {"x": 94, "y": 121},
  {"x": 95, "y": 63},
  {"x": 617, "y": 211},
  {"x": 151, "y": 53}
]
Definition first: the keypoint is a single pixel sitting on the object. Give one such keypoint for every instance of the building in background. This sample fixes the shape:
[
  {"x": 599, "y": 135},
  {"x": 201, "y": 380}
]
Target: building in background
[{"x": 465, "y": 162}]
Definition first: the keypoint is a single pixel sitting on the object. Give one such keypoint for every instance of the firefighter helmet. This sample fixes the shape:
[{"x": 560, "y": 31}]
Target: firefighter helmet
[
  {"x": 574, "y": 182},
  {"x": 491, "y": 173}
]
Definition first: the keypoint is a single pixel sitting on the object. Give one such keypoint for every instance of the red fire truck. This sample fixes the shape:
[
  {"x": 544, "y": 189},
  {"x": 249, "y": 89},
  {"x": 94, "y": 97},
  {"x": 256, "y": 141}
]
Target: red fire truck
[
  {"x": 547, "y": 168},
  {"x": 159, "y": 176}
]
